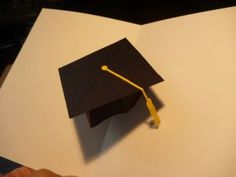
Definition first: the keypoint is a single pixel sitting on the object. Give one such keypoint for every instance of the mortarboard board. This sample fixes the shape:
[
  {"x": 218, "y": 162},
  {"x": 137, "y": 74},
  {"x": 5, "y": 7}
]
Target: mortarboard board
[{"x": 88, "y": 89}]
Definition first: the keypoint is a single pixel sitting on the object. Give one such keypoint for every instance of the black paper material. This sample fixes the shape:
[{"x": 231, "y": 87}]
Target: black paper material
[{"x": 88, "y": 89}]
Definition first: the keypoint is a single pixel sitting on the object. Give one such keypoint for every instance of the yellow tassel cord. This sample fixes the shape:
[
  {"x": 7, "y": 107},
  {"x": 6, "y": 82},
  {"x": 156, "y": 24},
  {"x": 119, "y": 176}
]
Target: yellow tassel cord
[{"x": 149, "y": 103}]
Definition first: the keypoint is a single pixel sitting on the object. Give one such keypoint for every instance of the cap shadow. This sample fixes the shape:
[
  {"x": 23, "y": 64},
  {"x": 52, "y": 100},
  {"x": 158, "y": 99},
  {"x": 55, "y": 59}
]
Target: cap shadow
[{"x": 98, "y": 140}]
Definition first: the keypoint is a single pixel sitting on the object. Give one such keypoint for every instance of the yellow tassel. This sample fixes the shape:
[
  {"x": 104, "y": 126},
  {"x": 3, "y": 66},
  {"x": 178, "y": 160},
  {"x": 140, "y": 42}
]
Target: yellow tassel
[{"x": 149, "y": 104}]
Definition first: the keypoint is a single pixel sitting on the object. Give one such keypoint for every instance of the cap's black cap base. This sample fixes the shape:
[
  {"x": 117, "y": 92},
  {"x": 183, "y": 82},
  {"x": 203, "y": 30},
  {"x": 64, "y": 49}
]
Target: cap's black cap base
[{"x": 122, "y": 105}]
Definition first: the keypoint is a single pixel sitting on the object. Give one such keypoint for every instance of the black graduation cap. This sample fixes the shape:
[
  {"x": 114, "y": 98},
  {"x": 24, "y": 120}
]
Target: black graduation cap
[{"x": 88, "y": 89}]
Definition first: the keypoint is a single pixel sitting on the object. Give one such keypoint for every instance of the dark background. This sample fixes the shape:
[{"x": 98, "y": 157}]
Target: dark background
[{"x": 18, "y": 16}]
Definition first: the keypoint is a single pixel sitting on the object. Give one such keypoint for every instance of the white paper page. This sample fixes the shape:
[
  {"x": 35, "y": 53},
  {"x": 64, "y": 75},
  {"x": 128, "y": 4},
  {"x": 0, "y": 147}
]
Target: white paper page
[
  {"x": 35, "y": 129},
  {"x": 183, "y": 146},
  {"x": 196, "y": 55}
]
